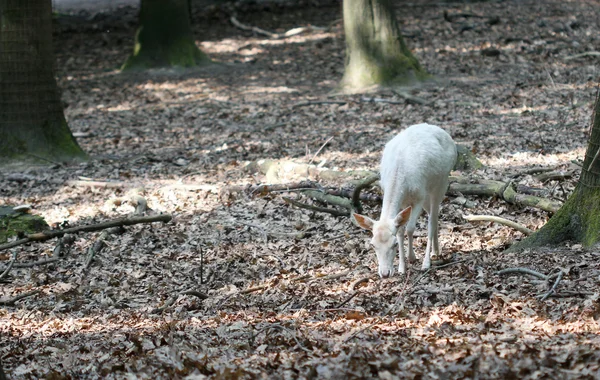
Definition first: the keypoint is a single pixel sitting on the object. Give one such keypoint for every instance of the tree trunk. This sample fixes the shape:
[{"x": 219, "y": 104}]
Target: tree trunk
[
  {"x": 375, "y": 50},
  {"x": 164, "y": 37},
  {"x": 578, "y": 219},
  {"x": 32, "y": 122}
]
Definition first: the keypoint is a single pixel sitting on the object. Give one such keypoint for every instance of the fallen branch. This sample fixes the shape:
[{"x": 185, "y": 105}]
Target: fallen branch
[
  {"x": 289, "y": 33},
  {"x": 348, "y": 299},
  {"x": 50, "y": 234},
  {"x": 411, "y": 98},
  {"x": 506, "y": 192},
  {"x": 568, "y": 294},
  {"x": 100, "y": 243},
  {"x": 11, "y": 301},
  {"x": 380, "y": 100},
  {"x": 551, "y": 291},
  {"x": 558, "y": 175},
  {"x": 254, "y": 29},
  {"x": 581, "y": 55},
  {"x": 36, "y": 263},
  {"x": 99, "y": 184},
  {"x": 10, "y": 265},
  {"x": 497, "y": 219},
  {"x": 315, "y": 208},
  {"x": 535, "y": 170},
  {"x": 316, "y": 102},
  {"x": 276, "y": 171},
  {"x": 528, "y": 271},
  {"x": 356, "y": 194}
]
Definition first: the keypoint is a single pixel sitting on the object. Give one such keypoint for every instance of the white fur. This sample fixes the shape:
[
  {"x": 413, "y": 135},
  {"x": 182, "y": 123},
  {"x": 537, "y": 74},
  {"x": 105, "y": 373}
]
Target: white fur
[{"x": 414, "y": 173}]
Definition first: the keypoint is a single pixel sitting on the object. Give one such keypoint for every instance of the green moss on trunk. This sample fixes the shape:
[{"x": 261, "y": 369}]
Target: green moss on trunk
[
  {"x": 164, "y": 38},
  {"x": 375, "y": 50},
  {"x": 32, "y": 122},
  {"x": 579, "y": 218}
]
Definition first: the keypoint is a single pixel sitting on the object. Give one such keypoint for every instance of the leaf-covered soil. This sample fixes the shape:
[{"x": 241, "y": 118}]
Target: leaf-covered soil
[{"x": 309, "y": 306}]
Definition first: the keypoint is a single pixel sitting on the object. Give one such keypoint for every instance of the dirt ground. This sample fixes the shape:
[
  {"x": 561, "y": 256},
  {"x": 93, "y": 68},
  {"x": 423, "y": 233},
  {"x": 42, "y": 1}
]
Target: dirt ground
[{"x": 247, "y": 286}]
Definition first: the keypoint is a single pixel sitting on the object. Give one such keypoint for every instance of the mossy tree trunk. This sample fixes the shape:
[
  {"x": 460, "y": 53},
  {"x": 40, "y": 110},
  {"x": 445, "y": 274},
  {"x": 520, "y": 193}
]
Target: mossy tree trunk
[
  {"x": 164, "y": 37},
  {"x": 32, "y": 122},
  {"x": 375, "y": 50},
  {"x": 578, "y": 219}
]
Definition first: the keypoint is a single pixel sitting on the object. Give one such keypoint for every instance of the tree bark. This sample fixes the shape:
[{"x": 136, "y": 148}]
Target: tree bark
[
  {"x": 32, "y": 122},
  {"x": 579, "y": 218},
  {"x": 375, "y": 50},
  {"x": 164, "y": 37}
]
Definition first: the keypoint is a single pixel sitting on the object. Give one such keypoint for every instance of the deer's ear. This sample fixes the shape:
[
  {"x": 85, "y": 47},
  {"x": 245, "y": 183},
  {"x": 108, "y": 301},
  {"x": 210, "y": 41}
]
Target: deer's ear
[
  {"x": 402, "y": 217},
  {"x": 363, "y": 221}
]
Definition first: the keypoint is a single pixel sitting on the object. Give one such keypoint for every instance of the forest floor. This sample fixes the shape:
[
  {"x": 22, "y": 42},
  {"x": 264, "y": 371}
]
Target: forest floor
[{"x": 283, "y": 292}]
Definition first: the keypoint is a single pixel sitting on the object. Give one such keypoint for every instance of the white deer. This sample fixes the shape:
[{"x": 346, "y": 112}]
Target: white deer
[{"x": 414, "y": 174}]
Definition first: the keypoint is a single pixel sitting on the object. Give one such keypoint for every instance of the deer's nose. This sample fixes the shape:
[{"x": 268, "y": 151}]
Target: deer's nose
[{"x": 385, "y": 273}]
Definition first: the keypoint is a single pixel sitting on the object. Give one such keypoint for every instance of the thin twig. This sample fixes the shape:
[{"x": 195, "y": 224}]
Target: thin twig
[
  {"x": 348, "y": 299},
  {"x": 10, "y": 265},
  {"x": 254, "y": 29},
  {"x": 316, "y": 102},
  {"x": 11, "y": 301},
  {"x": 355, "y": 333},
  {"x": 380, "y": 100},
  {"x": 100, "y": 184},
  {"x": 36, "y": 263},
  {"x": 568, "y": 294},
  {"x": 497, "y": 219},
  {"x": 523, "y": 271},
  {"x": 320, "y": 149},
  {"x": 553, "y": 288},
  {"x": 100, "y": 243},
  {"x": 45, "y": 159},
  {"x": 333, "y": 276},
  {"x": 315, "y": 208},
  {"x": 410, "y": 98},
  {"x": 47, "y": 235},
  {"x": 581, "y": 55}
]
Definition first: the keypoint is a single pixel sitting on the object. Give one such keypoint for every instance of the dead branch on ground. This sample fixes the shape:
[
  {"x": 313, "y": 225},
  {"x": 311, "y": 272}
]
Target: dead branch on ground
[
  {"x": 289, "y": 33},
  {"x": 528, "y": 271},
  {"x": 557, "y": 175},
  {"x": 411, "y": 98},
  {"x": 314, "y": 208},
  {"x": 379, "y": 100},
  {"x": 99, "y": 184},
  {"x": 497, "y": 219},
  {"x": 10, "y": 265},
  {"x": 277, "y": 172},
  {"x": 582, "y": 55},
  {"x": 356, "y": 194},
  {"x": 553, "y": 288},
  {"x": 547, "y": 278},
  {"x": 36, "y": 263},
  {"x": 100, "y": 243},
  {"x": 50, "y": 234},
  {"x": 11, "y": 301},
  {"x": 317, "y": 102}
]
